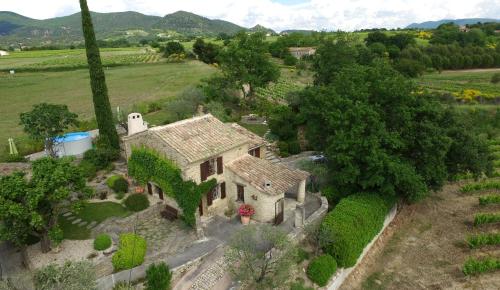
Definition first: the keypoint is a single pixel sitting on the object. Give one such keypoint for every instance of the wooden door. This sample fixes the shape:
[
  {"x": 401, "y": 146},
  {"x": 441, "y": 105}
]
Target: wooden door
[
  {"x": 257, "y": 152},
  {"x": 160, "y": 193},
  {"x": 150, "y": 189},
  {"x": 200, "y": 207},
  {"x": 279, "y": 208},
  {"x": 241, "y": 193}
]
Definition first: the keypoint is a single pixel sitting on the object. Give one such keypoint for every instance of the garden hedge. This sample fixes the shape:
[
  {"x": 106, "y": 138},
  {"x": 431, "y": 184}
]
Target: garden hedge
[
  {"x": 158, "y": 277},
  {"x": 352, "y": 224},
  {"x": 131, "y": 252},
  {"x": 102, "y": 242},
  {"x": 117, "y": 183},
  {"x": 146, "y": 165},
  {"x": 137, "y": 202},
  {"x": 321, "y": 269}
]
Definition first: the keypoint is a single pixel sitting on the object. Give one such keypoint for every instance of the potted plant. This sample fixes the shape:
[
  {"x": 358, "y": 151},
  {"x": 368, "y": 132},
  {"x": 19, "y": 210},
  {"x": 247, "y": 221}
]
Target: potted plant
[{"x": 246, "y": 211}]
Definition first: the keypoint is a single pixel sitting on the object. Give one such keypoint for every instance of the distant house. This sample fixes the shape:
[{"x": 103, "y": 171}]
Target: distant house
[
  {"x": 204, "y": 148},
  {"x": 3, "y": 53},
  {"x": 464, "y": 28},
  {"x": 300, "y": 52}
]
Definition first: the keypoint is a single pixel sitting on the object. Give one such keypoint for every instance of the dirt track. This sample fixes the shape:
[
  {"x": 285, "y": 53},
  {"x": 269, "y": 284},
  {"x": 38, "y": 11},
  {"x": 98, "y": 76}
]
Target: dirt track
[{"x": 424, "y": 247}]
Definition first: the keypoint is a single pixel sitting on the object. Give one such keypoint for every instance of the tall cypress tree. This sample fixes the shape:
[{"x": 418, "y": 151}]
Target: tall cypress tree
[{"x": 102, "y": 107}]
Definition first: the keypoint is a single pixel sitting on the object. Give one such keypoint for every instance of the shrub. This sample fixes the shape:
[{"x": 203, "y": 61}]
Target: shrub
[
  {"x": 137, "y": 202},
  {"x": 294, "y": 147},
  {"x": 302, "y": 255},
  {"x": 351, "y": 225},
  {"x": 88, "y": 169},
  {"x": 158, "y": 277},
  {"x": 71, "y": 275},
  {"x": 101, "y": 157},
  {"x": 299, "y": 286},
  {"x": 131, "y": 252},
  {"x": 480, "y": 240},
  {"x": 495, "y": 78},
  {"x": 321, "y": 269},
  {"x": 123, "y": 286},
  {"x": 289, "y": 60},
  {"x": 117, "y": 183},
  {"x": 283, "y": 147},
  {"x": 486, "y": 218},
  {"x": 489, "y": 199},
  {"x": 477, "y": 186},
  {"x": 102, "y": 242},
  {"x": 103, "y": 195},
  {"x": 474, "y": 266}
]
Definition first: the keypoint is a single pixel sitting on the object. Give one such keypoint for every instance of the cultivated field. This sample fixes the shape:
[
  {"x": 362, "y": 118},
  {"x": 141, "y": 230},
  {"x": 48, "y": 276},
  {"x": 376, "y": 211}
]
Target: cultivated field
[
  {"x": 456, "y": 81},
  {"x": 127, "y": 85}
]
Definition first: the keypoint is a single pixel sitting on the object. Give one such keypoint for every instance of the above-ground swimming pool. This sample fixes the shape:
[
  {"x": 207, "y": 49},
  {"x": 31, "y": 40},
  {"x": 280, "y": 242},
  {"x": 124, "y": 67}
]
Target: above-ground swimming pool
[{"x": 72, "y": 144}]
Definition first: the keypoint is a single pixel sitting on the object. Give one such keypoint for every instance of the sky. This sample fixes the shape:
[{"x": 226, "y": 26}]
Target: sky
[{"x": 280, "y": 14}]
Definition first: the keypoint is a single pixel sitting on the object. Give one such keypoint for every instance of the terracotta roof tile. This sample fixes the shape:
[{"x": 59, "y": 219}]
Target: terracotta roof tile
[{"x": 257, "y": 172}]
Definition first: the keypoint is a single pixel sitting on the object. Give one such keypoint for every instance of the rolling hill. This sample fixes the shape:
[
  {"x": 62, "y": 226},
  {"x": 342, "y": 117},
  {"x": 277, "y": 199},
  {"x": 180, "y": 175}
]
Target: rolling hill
[
  {"x": 435, "y": 24},
  {"x": 15, "y": 28}
]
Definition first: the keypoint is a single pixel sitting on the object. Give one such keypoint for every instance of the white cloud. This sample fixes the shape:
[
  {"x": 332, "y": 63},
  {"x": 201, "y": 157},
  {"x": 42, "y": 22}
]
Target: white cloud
[{"x": 312, "y": 14}]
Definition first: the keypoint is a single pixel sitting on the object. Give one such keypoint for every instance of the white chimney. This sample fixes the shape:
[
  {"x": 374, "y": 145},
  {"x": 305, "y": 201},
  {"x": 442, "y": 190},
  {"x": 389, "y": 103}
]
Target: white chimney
[{"x": 136, "y": 124}]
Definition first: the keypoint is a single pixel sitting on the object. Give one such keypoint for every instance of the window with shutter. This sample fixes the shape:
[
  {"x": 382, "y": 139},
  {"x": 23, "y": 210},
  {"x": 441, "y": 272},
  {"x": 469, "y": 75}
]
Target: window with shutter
[
  {"x": 204, "y": 171},
  {"x": 257, "y": 152},
  {"x": 220, "y": 166},
  {"x": 210, "y": 196},
  {"x": 223, "y": 190}
]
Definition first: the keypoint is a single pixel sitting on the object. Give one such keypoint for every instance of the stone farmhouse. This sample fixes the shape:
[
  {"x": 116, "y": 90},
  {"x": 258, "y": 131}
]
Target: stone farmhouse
[
  {"x": 203, "y": 147},
  {"x": 300, "y": 52}
]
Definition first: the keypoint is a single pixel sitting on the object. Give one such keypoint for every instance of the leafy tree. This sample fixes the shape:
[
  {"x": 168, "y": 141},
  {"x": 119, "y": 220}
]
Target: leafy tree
[
  {"x": 47, "y": 121},
  {"x": 32, "y": 207},
  {"x": 71, "y": 275},
  {"x": 102, "y": 107},
  {"x": 283, "y": 124},
  {"x": 244, "y": 61},
  {"x": 376, "y": 37},
  {"x": 158, "y": 277},
  {"x": 173, "y": 47},
  {"x": 207, "y": 52},
  {"x": 253, "y": 260},
  {"x": 186, "y": 104}
]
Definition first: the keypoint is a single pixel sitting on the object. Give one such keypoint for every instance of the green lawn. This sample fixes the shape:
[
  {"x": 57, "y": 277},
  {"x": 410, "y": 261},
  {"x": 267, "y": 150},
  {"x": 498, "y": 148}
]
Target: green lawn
[
  {"x": 91, "y": 212},
  {"x": 127, "y": 85},
  {"x": 456, "y": 81}
]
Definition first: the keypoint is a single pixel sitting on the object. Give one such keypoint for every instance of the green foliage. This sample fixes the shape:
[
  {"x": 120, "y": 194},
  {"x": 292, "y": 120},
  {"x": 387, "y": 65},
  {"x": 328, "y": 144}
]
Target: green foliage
[
  {"x": 321, "y": 269},
  {"x": 478, "y": 186},
  {"x": 294, "y": 147},
  {"x": 489, "y": 199},
  {"x": 283, "y": 123},
  {"x": 207, "y": 52},
  {"x": 480, "y": 240},
  {"x": 118, "y": 183},
  {"x": 101, "y": 157},
  {"x": 32, "y": 207},
  {"x": 173, "y": 47},
  {"x": 102, "y": 242},
  {"x": 302, "y": 255},
  {"x": 299, "y": 286},
  {"x": 137, "y": 202},
  {"x": 123, "y": 286},
  {"x": 88, "y": 169},
  {"x": 56, "y": 235},
  {"x": 352, "y": 224},
  {"x": 495, "y": 78},
  {"x": 47, "y": 121},
  {"x": 131, "y": 252},
  {"x": 290, "y": 60},
  {"x": 475, "y": 266},
  {"x": 247, "y": 252},
  {"x": 102, "y": 107},
  {"x": 158, "y": 277},
  {"x": 244, "y": 61},
  {"x": 486, "y": 218},
  {"x": 146, "y": 165},
  {"x": 71, "y": 275}
]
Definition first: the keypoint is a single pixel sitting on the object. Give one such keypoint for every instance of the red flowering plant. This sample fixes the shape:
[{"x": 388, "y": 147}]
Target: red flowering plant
[{"x": 246, "y": 210}]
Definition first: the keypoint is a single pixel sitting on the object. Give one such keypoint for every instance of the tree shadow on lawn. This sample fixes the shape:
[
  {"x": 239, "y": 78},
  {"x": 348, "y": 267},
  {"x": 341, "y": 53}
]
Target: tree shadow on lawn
[{"x": 91, "y": 212}]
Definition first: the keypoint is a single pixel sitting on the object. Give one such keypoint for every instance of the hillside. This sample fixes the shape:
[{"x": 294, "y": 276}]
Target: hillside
[
  {"x": 191, "y": 24},
  {"x": 435, "y": 24},
  {"x": 15, "y": 28}
]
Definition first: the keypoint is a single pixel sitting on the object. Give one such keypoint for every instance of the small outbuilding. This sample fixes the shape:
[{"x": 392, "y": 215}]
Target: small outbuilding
[{"x": 3, "y": 53}]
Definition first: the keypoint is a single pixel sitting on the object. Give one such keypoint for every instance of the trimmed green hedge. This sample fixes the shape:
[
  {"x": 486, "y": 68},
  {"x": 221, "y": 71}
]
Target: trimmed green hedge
[
  {"x": 352, "y": 224},
  {"x": 321, "y": 269},
  {"x": 146, "y": 165},
  {"x": 131, "y": 252},
  {"x": 137, "y": 202},
  {"x": 117, "y": 183},
  {"x": 479, "y": 240},
  {"x": 158, "y": 277},
  {"x": 474, "y": 266},
  {"x": 102, "y": 242}
]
